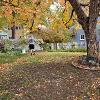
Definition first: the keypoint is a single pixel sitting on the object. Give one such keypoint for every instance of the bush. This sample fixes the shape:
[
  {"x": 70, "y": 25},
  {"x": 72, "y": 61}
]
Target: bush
[
  {"x": 46, "y": 47},
  {"x": 77, "y": 50},
  {"x": 23, "y": 42},
  {"x": 70, "y": 50},
  {"x": 8, "y": 45},
  {"x": 10, "y": 56},
  {"x": 1, "y": 47},
  {"x": 15, "y": 53}
]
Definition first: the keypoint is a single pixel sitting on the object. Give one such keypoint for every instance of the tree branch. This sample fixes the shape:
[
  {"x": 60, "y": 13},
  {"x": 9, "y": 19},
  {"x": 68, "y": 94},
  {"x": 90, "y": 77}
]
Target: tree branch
[
  {"x": 79, "y": 12},
  {"x": 70, "y": 17},
  {"x": 84, "y": 5},
  {"x": 99, "y": 8},
  {"x": 93, "y": 15}
]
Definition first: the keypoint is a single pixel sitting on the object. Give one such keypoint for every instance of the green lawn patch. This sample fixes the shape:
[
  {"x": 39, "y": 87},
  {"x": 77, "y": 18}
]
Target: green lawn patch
[{"x": 9, "y": 57}]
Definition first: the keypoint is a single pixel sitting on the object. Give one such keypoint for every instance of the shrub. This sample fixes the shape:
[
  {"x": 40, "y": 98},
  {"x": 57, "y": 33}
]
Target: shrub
[
  {"x": 1, "y": 47},
  {"x": 70, "y": 50},
  {"x": 8, "y": 45},
  {"x": 46, "y": 47},
  {"x": 23, "y": 42},
  {"x": 10, "y": 56}
]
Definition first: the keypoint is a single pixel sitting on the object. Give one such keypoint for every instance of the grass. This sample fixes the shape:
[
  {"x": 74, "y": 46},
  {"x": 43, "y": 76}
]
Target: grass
[
  {"x": 70, "y": 50},
  {"x": 48, "y": 76},
  {"x": 9, "y": 57},
  {"x": 12, "y": 57}
]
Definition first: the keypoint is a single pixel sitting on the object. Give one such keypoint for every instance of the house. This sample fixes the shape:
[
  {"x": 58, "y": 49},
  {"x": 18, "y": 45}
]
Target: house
[{"x": 3, "y": 35}]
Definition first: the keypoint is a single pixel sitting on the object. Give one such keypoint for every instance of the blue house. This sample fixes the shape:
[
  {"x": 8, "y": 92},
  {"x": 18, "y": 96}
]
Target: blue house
[{"x": 79, "y": 37}]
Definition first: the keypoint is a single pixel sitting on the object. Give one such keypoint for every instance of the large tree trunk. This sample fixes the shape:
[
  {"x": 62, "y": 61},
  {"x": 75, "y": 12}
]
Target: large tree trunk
[
  {"x": 13, "y": 28},
  {"x": 89, "y": 25},
  {"x": 93, "y": 45},
  {"x": 91, "y": 42}
]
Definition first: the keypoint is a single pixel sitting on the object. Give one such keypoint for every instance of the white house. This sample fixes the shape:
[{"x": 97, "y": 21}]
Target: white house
[{"x": 3, "y": 35}]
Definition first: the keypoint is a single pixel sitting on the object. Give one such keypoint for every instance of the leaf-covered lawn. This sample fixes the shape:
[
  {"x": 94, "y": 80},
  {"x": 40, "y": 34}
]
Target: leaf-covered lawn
[{"x": 48, "y": 76}]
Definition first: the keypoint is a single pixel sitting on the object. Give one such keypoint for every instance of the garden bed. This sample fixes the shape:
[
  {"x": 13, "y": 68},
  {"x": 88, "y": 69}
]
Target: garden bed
[{"x": 76, "y": 63}]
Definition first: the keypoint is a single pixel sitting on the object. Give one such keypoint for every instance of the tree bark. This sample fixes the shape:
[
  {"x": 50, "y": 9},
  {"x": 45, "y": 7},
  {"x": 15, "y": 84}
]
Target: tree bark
[
  {"x": 31, "y": 26},
  {"x": 13, "y": 28},
  {"x": 93, "y": 44},
  {"x": 79, "y": 12}
]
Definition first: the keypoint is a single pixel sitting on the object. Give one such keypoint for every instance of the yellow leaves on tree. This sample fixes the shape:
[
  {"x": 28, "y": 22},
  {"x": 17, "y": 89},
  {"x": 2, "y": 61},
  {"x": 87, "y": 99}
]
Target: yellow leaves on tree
[
  {"x": 67, "y": 14},
  {"x": 69, "y": 17},
  {"x": 15, "y": 2}
]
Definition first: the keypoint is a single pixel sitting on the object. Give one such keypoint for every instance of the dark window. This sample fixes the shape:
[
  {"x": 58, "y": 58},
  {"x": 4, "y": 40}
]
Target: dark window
[
  {"x": 16, "y": 28},
  {"x": 82, "y": 37},
  {"x": 9, "y": 28}
]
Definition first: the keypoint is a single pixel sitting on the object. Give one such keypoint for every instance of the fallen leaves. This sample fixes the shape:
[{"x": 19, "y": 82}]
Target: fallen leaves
[{"x": 49, "y": 76}]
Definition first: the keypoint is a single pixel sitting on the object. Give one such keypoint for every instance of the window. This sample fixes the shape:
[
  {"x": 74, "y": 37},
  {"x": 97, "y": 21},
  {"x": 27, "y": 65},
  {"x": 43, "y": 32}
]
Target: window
[
  {"x": 3, "y": 36},
  {"x": 82, "y": 37},
  {"x": 9, "y": 28},
  {"x": 16, "y": 27}
]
